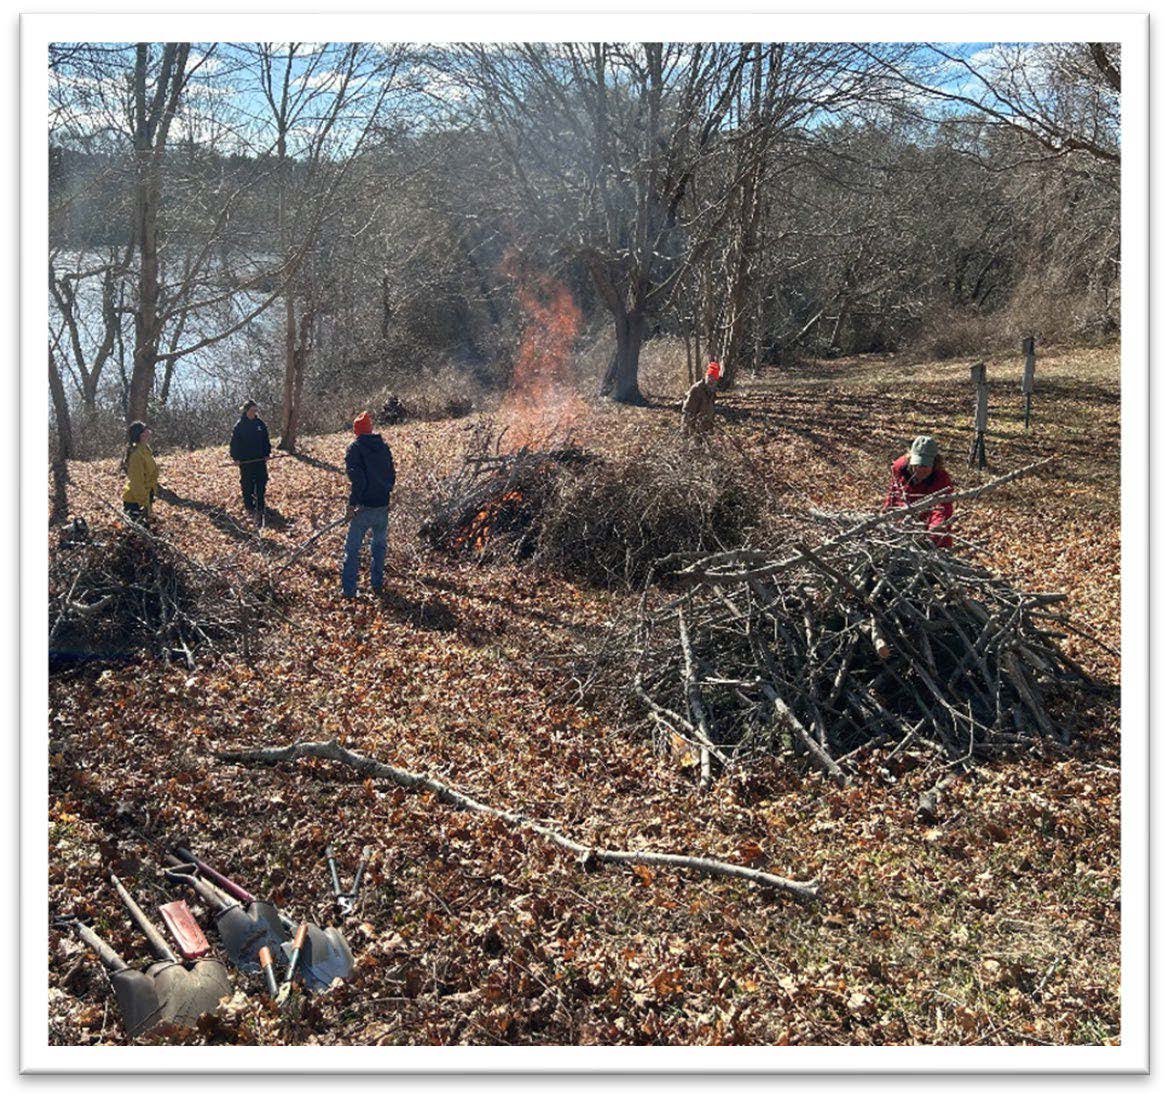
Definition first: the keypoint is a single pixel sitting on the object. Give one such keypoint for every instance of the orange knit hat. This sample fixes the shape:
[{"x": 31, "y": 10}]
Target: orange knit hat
[
  {"x": 363, "y": 425},
  {"x": 714, "y": 370}
]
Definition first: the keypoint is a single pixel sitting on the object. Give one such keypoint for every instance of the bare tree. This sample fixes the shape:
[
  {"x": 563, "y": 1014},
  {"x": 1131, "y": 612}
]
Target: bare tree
[
  {"x": 155, "y": 100},
  {"x": 633, "y": 158},
  {"x": 323, "y": 102},
  {"x": 89, "y": 353},
  {"x": 1059, "y": 97}
]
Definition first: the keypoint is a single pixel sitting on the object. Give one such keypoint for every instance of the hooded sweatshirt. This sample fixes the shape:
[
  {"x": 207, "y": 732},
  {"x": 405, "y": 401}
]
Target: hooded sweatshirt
[
  {"x": 370, "y": 466},
  {"x": 141, "y": 476}
]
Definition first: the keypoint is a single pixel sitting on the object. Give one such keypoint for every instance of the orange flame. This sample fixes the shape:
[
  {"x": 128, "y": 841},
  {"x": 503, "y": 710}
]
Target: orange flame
[
  {"x": 479, "y": 531},
  {"x": 543, "y": 400}
]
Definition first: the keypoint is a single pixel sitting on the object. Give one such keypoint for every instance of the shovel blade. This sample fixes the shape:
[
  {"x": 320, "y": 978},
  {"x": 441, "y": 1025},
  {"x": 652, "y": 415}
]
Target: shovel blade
[
  {"x": 242, "y": 934},
  {"x": 185, "y": 993},
  {"x": 324, "y": 958},
  {"x": 138, "y": 1001}
]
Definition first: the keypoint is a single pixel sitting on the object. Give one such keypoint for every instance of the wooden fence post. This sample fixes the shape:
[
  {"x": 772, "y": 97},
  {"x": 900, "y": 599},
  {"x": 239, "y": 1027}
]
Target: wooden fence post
[
  {"x": 1028, "y": 378},
  {"x": 981, "y": 408}
]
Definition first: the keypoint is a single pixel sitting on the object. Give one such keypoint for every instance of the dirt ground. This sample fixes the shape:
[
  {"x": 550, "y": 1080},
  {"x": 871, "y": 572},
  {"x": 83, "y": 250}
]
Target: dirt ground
[{"x": 998, "y": 924}]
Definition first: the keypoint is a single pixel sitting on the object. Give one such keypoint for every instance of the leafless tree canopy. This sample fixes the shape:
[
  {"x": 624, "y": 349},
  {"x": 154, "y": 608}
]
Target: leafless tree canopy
[{"x": 315, "y": 223}]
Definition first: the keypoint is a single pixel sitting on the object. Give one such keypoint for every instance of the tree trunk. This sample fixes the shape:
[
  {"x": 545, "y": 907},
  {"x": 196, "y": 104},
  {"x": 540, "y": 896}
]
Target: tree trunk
[
  {"x": 291, "y": 410},
  {"x": 387, "y": 308},
  {"x": 146, "y": 316},
  {"x": 739, "y": 292},
  {"x": 290, "y": 413},
  {"x": 151, "y": 124},
  {"x": 64, "y": 451},
  {"x": 620, "y": 380},
  {"x": 294, "y": 381},
  {"x": 60, "y": 410},
  {"x": 757, "y": 332}
]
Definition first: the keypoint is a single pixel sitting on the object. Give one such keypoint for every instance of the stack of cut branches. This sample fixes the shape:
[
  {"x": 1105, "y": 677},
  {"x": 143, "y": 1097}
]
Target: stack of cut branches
[
  {"x": 874, "y": 637},
  {"x": 607, "y": 520},
  {"x": 492, "y": 504},
  {"x": 121, "y": 590}
]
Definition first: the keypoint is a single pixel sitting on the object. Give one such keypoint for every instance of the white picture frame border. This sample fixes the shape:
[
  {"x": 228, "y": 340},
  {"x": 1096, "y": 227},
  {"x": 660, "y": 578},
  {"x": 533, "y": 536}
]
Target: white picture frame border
[{"x": 37, "y": 30}]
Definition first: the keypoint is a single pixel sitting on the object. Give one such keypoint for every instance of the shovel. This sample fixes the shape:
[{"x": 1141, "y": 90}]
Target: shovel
[
  {"x": 263, "y": 911},
  {"x": 184, "y": 994},
  {"x": 297, "y": 945},
  {"x": 136, "y": 993},
  {"x": 241, "y": 931},
  {"x": 325, "y": 956}
]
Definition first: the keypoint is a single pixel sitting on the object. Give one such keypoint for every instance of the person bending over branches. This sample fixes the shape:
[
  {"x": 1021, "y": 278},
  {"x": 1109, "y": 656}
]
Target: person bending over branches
[
  {"x": 698, "y": 407},
  {"x": 920, "y": 473}
]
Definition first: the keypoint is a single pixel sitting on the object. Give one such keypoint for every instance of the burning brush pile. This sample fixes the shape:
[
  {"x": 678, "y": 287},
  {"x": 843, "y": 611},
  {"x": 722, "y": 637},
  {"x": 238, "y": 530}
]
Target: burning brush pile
[
  {"x": 493, "y": 505},
  {"x": 607, "y": 521},
  {"x": 118, "y": 591},
  {"x": 528, "y": 492},
  {"x": 872, "y": 639}
]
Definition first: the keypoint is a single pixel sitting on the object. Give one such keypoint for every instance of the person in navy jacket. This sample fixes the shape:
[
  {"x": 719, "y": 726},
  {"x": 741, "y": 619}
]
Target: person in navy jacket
[
  {"x": 250, "y": 448},
  {"x": 370, "y": 467}
]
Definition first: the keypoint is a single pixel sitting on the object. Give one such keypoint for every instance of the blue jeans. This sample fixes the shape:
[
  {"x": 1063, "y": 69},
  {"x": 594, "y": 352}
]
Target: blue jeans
[{"x": 367, "y": 519}]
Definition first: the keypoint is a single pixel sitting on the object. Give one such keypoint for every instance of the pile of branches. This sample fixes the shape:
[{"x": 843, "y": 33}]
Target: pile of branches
[
  {"x": 607, "y": 521},
  {"x": 492, "y": 506},
  {"x": 872, "y": 637},
  {"x": 615, "y": 526},
  {"x": 119, "y": 591}
]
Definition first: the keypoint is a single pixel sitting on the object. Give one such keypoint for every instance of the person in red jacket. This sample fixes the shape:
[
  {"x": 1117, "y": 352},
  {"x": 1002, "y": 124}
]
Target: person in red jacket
[{"x": 920, "y": 473}]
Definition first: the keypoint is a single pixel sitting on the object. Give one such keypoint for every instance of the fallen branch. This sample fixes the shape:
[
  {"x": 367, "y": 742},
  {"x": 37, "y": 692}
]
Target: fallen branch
[
  {"x": 694, "y": 700},
  {"x": 364, "y": 765},
  {"x": 312, "y": 540},
  {"x": 252, "y": 461}
]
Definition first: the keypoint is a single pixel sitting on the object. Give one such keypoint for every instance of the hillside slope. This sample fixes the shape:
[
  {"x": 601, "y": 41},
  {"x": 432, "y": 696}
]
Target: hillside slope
[{"x": 997, "y": 924}]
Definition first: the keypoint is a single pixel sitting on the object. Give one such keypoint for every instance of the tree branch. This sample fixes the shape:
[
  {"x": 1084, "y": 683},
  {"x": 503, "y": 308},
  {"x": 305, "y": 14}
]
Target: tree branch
[{"x": 364, "y": 765}]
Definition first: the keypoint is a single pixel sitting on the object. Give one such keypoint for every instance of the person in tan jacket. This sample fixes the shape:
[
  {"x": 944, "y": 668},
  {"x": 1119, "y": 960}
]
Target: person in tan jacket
[
  {"x": 141, "y": 473},
  {"x": 698, "y": 408}
]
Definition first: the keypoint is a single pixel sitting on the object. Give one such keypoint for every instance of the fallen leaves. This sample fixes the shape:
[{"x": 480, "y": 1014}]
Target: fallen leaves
[{"x": 468, "y": 934}]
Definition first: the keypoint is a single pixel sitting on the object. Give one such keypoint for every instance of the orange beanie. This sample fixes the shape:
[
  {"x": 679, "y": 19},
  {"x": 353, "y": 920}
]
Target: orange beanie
[
  {"x": 363, "y": 425},
  {"x": 714, "y": 370}
]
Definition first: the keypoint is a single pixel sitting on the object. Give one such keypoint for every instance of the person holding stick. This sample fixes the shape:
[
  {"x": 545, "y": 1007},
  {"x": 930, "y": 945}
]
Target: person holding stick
[
  {"x": 141, "y": 473},
  {"x": 250, "y": 448},
  {"x": 370, "y": 467},
  {"x": 920, "y": 473}
]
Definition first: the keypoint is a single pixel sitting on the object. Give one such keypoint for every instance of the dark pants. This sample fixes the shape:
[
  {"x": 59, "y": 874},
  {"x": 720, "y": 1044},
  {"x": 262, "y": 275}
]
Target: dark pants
[{"x": 253, "y": 478}]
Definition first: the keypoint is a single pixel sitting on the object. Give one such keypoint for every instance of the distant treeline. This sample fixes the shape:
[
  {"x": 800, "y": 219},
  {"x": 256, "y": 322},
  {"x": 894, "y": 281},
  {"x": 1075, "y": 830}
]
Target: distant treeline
[{"x": 759, "y": 202}]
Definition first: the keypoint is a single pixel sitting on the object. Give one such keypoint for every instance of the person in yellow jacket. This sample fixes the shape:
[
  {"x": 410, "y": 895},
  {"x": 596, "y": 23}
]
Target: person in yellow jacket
[{"x": 141, "y": 472}]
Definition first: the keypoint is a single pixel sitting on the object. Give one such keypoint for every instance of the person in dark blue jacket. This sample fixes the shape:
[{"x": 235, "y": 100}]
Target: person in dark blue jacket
[
  {"x": 370, "y": 466},
  {"x": 250, "y": 448}
]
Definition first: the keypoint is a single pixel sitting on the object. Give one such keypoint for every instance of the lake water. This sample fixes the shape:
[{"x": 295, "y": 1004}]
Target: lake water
[{"x": 221, "y": 367}]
